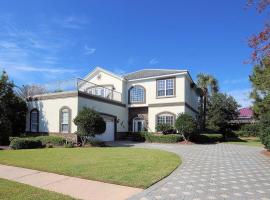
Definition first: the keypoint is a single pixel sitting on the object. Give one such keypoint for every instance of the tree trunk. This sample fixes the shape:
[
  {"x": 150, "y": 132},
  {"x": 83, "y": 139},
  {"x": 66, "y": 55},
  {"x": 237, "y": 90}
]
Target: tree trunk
[{"x": 204, "y": 111}]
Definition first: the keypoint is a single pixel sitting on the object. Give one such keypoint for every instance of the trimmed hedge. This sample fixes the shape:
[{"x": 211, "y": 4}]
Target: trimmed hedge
[
  {"x": 207, "y": 138},
  {"x": 54, "y": 140},
  {"x": 46, "y": 140},
  {"x": 170, "y": 138},
  {"x": 25, "y": 143}
]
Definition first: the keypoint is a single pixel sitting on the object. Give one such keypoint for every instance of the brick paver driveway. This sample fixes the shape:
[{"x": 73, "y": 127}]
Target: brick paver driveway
[{"x": 221, "y": 171}]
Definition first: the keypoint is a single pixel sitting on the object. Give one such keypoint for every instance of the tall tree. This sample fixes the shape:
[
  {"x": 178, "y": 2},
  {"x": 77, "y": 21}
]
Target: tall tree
[
  {"x": 12, "y": 110},
  {"x": 30, "y": 90},
  {"x": 260, "y": 42},
  {"x": 221, "y": 109},
  {"x": 260, "y": 80},
  {"x": 209, "y": 86}
]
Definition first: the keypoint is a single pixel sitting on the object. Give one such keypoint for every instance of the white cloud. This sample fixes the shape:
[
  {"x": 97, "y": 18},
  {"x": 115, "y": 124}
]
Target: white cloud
[
  {"x": 89, "y": 51},
  {"x": 241, "y": 96},
  {"x": 153, "y": 61},
  {"x": 41, "y": 69},
  {"x": 71, "y": 22}
]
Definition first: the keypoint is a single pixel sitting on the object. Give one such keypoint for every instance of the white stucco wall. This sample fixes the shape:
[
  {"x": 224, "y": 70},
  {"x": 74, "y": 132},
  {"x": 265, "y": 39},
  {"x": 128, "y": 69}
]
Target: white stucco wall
[
  {"x": 191, "y": 97},
  {"x": 151, "y": 96},
  {"x": 49, "y": 113},
  {"x": 120, "y": 112},
  {"x": 153, "y": 111}
]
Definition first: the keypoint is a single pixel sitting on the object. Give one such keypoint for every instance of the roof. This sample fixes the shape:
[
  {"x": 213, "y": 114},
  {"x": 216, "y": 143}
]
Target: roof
[
  {"x": 245, "y": 113},
  {"x": 146, "y": 73}
]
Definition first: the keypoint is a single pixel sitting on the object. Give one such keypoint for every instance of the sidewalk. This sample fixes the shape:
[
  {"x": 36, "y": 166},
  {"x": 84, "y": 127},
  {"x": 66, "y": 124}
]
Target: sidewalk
[{"x": 74, "y": 187}]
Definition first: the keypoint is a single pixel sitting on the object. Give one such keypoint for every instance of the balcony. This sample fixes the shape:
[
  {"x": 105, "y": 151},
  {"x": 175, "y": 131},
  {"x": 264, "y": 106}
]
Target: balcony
[{"x": 106, "y": 92}]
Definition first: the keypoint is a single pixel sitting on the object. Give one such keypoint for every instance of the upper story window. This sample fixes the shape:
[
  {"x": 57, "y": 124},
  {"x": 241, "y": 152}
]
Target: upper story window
[
  {"x": 165, "y": 87},
  {"x": 65, "y": 120},
  {"x": 136, "y": 94},
  {"x": 34, "y": 120},
  {"x": 166, "y": 118}
]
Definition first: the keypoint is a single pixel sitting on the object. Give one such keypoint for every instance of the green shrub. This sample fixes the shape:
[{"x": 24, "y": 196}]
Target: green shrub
[
  {"x": 267, "y": 142},
  {"x": 206, "y": 138},
  {"x": 136, "y": 136},
  {"x": 69, "y": 144},
  {"x": 89, "y": 123},
  {"x": 25, "y": 143},
  {"x": 249, "y": 130},
  {"x": 53, "y": 140},
  {"x": 165, "y": 128},
  {"x": 171, "y": 138},
  {"x": 185, "y": 125}
]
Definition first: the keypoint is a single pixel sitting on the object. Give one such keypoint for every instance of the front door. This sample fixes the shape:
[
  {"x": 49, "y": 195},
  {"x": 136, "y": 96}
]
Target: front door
[{"x": 138, "y": 125}]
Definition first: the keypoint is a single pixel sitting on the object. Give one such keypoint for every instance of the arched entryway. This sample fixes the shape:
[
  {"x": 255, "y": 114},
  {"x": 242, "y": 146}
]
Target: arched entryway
[{"x": 138, "y": 124}]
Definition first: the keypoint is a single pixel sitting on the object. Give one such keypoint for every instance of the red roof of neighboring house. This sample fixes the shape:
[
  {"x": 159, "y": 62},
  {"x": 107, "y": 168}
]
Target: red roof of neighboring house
[{"x": 245, "y": 113}]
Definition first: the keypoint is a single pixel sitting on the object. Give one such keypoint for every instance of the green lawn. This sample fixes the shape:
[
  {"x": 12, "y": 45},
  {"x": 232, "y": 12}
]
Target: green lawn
[
  {"x": 250, "y": 141},
  {"x": 10, "y": 190},
  {"x": 125, "y": 166}
]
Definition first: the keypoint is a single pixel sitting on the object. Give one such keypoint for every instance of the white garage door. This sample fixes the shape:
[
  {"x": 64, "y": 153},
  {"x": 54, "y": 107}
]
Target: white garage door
[{"x": 108, "y": 135}]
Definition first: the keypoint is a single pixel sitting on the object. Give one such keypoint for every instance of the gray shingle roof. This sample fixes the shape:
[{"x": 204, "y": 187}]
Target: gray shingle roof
[{"x": 150, "y": 72}]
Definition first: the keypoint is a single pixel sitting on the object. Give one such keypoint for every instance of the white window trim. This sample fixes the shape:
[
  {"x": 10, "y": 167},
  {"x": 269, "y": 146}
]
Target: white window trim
[{"x": 165, "y": 88}]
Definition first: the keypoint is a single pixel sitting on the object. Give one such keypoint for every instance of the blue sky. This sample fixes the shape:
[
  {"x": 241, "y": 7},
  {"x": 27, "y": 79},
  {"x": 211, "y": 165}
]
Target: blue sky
[{"x": 46, "y": 41}]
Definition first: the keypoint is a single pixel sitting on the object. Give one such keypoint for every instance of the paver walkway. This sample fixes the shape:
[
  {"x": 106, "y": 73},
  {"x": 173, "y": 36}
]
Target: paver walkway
[
  {"x": 75, "y": 187},
  {"x": 209, "y": 172}
]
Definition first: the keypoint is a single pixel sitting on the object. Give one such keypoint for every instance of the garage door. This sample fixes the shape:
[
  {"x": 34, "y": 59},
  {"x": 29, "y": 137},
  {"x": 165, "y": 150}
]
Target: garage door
[{"x": 108, "y": 135}]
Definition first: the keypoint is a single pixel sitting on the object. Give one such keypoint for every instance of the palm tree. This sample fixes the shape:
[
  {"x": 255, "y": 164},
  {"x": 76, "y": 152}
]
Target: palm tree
[{"x": 209, "y": 86}]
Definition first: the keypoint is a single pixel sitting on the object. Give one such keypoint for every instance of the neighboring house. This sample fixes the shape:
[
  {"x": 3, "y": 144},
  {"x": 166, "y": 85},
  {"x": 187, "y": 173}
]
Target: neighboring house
[
  {"x": 134, "y": 102},
  {"x": 245, "y": 116}
]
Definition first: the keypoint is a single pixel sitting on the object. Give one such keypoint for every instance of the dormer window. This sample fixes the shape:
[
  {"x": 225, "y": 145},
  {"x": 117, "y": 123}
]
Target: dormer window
[
  {"x": 136, "y": 94},
  {"x": 165, "y": 87}
]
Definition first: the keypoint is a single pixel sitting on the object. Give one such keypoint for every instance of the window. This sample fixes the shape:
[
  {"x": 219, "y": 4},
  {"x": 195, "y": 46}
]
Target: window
[
  {"x": 165, "y": 87},
  {"x": 34, "y": 120},
  {"x": 165, "y": 118},
  {"x": 65, "y": 116},
  {"x": 136, "y": 94}
]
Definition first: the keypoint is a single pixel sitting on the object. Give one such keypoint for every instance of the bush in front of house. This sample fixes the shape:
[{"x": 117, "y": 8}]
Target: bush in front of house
[
  {"x": 165, "y": 128},
  {"x": 249, "y": 130},
  {"x": 206, "y": 138},
  {"x": 89, "y": 124},
  {"x": 171, "y": 138},
  {"x": 185, "y": 125},
  {"x": 51, "y": 140},
  {"x": 25, "y": 143}
]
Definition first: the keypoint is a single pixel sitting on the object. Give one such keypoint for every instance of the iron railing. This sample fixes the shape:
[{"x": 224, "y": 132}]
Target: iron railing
[{"x": 106, "y": 92}]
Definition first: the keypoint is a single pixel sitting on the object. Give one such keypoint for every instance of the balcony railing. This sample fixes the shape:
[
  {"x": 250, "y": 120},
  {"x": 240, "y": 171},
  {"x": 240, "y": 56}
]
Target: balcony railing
[{"x": 106, "y": 92}]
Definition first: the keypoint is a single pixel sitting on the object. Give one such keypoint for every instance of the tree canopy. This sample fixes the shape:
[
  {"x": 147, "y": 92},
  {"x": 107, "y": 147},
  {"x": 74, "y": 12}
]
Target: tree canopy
[
  {"x": 12, "y": 110},
  {"x": 221, "y": 109},
  {"x": 260, "y": 80},
  {"x": 89, "y": 124}
]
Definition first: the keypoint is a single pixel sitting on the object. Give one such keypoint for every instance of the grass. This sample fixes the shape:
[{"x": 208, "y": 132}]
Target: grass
[
  {"x": 124, "y": 166},
  {"x": 10, "y": 190},
  {"x": 249, "y": 141}
]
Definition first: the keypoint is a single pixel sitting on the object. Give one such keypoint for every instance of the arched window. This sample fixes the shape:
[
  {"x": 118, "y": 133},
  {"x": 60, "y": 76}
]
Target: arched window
[
  {"x": 166, "y": 118},
  {"x": 137, "y": 94},
  {"x": 34, "y": 120},
  {"x": 65, "y": 119}
]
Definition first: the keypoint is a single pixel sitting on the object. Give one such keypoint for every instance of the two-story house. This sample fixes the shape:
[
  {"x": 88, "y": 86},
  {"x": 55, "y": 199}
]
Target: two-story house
[{"x": 134, "y": 102}]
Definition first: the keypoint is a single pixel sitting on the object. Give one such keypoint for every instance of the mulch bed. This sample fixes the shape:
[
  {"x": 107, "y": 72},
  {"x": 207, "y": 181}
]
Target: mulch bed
[{"x": 266, "y": 153}]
